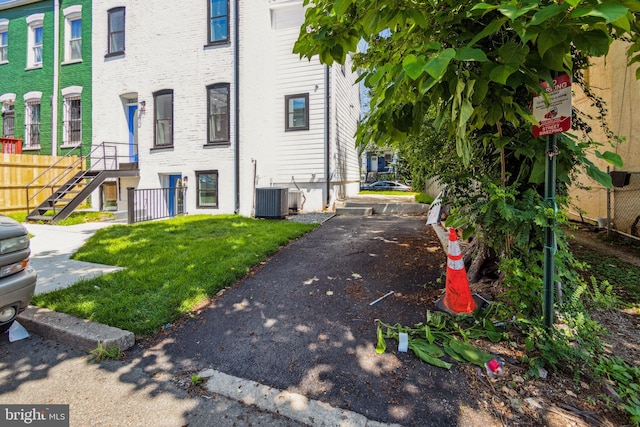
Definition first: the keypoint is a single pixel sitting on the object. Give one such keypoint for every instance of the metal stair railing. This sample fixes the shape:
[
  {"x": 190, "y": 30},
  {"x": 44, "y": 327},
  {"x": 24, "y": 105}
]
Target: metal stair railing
[{"x": 58, "y": 181}]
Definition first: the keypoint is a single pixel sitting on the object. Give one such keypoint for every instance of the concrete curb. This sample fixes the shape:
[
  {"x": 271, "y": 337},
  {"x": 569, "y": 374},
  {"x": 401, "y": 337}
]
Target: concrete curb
[
  {"x": 77, "y": 333},
  {"x": 291, "y": 405}
]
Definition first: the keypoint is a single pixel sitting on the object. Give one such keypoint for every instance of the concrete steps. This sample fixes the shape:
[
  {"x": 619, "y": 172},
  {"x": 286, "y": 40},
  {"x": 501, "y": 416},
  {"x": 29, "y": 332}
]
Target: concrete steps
[
  {"x": 351, "y": 207},
  {"x": 354, "y": 211}
]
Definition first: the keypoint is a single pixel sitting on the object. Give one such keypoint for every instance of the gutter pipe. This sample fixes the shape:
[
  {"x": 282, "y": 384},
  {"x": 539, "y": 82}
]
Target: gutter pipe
[
  {"x": 327, "y": 128},
  {"x": 56, "y": 77},
  {"x": 236, "y": 77}
]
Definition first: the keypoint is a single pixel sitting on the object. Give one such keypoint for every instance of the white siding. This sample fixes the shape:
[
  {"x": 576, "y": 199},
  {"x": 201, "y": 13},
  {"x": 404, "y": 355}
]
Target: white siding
[
  {"x": 345, "y": 166},
  {"x": 300, "y": 159}
]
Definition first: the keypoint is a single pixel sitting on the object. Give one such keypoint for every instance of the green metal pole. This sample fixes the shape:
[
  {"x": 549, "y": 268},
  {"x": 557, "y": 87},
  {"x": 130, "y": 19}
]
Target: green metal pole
[{"x": 549, "y": 241}]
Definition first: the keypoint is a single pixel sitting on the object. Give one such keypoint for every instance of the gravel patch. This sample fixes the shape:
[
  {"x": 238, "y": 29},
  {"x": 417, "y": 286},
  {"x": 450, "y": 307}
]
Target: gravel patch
[{"x": 311, "y": 217}]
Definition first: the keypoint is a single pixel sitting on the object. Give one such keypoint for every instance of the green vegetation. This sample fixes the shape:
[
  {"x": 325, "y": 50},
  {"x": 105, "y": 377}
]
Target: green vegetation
[
  {"x": 196, "y": 380},
  {"x": 102, "y": 352},
  {"x": 170, "y": 266},
  {"x": 86, "y": 216},
  {"x": 451, "y": 86},
  {"x": 424, "y": 198},
  {"x": 611, "y": 270},
  {"x": 78, "y": 217},
  {"x": 20, "y": 217}
]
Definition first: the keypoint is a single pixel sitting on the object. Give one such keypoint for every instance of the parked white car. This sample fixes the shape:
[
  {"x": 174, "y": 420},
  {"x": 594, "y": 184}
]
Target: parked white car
[{"x": 17, "y": 278}]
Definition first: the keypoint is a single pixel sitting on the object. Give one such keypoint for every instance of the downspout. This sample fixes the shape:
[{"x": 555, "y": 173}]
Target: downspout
[
  {"x": 56, "y": 77},
  {"x": 236, "y": 77},
  {"x": 327, "y": 128}
]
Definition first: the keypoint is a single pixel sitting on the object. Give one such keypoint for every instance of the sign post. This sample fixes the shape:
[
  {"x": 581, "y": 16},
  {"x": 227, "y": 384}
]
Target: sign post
[{"x": 554, "y": 117}]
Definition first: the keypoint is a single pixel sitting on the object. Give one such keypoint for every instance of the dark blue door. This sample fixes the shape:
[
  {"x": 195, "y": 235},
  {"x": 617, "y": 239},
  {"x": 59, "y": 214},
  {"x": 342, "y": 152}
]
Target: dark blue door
[
  {"x": 175, "y": 194},
  {"x": 133, "y": 124}
]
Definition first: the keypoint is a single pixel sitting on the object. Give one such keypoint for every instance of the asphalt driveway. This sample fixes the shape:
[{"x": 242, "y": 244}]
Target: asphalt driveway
[{"x": 303, "y": 322}]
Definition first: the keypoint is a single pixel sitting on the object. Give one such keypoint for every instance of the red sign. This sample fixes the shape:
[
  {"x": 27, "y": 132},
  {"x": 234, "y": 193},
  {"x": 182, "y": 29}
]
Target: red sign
[{"x": 554, "y": 117}]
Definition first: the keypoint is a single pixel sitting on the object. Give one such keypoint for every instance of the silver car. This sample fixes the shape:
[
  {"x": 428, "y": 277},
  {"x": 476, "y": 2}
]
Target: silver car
[
  {"x": 17, "y": 278},
  {"x": 387, "y": 185}
]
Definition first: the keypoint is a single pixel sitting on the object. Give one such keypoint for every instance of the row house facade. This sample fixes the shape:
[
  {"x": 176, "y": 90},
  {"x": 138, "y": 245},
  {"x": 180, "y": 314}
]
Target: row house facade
[
  {"x": 210, "y": 97},
  {"x": 207, "y": 97},
  {"x": 45, "y": 74}
]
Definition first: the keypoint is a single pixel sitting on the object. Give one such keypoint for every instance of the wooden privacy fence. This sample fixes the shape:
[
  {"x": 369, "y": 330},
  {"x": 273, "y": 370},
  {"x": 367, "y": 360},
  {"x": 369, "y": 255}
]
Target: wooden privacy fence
[{"x": 17, "y": 170}]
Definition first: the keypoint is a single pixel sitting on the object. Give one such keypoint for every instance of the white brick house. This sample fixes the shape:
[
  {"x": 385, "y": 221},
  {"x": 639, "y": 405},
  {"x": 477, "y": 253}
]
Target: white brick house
[{"x": 228, "y": 111}]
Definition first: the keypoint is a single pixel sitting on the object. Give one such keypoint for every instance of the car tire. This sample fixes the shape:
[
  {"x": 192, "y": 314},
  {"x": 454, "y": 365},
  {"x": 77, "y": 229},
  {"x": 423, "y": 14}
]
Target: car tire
[{"x": 4, "y": 328}]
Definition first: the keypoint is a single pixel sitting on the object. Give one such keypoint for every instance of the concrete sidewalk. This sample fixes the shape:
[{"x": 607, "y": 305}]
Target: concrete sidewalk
[{"x": 51, "y": 250}]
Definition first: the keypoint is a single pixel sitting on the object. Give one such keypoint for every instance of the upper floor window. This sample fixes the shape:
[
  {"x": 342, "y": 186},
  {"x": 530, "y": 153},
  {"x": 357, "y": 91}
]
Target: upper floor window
[
  {"x": 296, "y": 112},
  {"x": 115, "y": 30},
  {"x": 163, "y": 117},
  {"x": 4, "y": 41},
  {"x": 34, "y": 40},
  {"x": 72, "y": 33},
  {"x": 72, "y": 119},
  {"x": 218, "y": 21},
  {"x": 32, "y": 120},
  {"x": 218, "y": 113}
]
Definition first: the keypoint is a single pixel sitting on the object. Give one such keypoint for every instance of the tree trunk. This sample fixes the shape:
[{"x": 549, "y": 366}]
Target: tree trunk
[{"x": 476, "y": 257}]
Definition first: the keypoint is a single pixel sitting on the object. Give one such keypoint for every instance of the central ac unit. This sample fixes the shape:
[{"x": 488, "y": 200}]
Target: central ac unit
[{"x": 272, "y": 202}]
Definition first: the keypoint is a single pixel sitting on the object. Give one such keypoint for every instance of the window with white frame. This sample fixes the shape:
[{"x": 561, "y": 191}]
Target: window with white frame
[
  {"x": 4, "y": 41},
  {"x": 8, "y": 119},
  {"x": 207, "y": 189},
  {"x": 35, "y": 35},
  {"x": 72, "y": 33},
  {"x": 32, "y": 120},
  {"x": 218, "y": 113},
  {"x": 163, "y": 114},
  {"x": 115, "y": 36},
  {"x": 72, "y": 115},
  {"x": 218, "y": 21}
]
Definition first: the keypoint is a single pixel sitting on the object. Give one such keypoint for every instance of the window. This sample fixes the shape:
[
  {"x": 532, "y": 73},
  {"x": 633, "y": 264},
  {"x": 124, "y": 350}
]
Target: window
[
  {"x": 4, "y": 41},
  {"x": 207, "y": 189},
  {"x": 72, "y": 125},
  {"x": 218, "y": 113},
  {"x": 8, "y": 123},
  {"x": 32, "y": 120},
  {"x": 72, "y": 33},
  {"x": 296, "y": 112},
  {"x": 218, "y": 21},
  {"x": 163, "y": 113},
  {"x": 115, "y": 34},
  {"x": 34, "y": 40}
]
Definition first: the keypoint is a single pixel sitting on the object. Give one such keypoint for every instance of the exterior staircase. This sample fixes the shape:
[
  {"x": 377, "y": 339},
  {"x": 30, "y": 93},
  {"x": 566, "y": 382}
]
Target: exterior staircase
[{"x": 70, "y": 187}]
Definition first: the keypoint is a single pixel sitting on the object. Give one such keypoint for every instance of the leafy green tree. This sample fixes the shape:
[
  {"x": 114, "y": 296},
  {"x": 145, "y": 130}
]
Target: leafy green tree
[
  {"x": 475, "y": 67},
  {"x": 451, "y": 82}
]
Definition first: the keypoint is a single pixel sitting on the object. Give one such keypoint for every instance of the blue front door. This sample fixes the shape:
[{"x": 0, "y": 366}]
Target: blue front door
[
  {"x": 133, "y": 125},
  {"x": 175, "y": 194}
]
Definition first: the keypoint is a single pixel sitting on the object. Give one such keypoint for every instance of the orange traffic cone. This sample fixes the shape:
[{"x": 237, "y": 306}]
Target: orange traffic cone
[{"x": 457, "y": 298}]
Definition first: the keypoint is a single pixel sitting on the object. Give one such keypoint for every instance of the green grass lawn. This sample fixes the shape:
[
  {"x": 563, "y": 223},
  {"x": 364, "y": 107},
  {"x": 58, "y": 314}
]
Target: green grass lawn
[
  {"x": 171, "y": 267},
  {"x": 79, "y": 217},
  {"x": 419, "y": 197}
]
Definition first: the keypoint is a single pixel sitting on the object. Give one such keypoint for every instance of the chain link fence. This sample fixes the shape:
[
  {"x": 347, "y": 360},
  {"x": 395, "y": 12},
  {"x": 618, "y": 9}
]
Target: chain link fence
[{"x": 624, "y": 206}]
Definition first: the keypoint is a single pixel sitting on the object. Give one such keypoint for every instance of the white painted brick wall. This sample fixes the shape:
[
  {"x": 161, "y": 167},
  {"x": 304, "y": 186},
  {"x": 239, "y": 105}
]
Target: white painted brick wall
[{"x": 165, "y": 50}]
